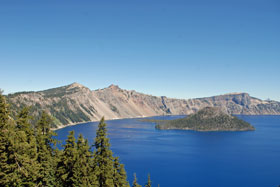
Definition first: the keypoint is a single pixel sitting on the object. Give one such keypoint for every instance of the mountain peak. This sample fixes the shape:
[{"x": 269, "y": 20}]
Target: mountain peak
[
  {"x": 75, "y": 85},
  {"x": 113, "y": 86},
  {"x": 75, "y": 103},
  {"x": 237, "y": 93}
]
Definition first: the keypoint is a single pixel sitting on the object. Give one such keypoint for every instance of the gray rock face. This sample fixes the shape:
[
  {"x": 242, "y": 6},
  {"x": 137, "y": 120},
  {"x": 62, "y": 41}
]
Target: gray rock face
[{"x": 76, "y": 103}]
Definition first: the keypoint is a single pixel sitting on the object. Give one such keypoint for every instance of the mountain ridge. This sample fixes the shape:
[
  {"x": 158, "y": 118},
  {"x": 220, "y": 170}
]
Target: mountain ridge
[{"x": 76, "y": 103}]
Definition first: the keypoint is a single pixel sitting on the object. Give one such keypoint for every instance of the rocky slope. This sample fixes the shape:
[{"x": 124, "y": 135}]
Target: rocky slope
[
  {"x": 207, "y": 119},
  {"x": 76, "y": 103}
]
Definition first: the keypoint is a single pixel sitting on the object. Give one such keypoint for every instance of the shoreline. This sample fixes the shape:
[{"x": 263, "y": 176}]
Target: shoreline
[{"x": 78, "y": 123}]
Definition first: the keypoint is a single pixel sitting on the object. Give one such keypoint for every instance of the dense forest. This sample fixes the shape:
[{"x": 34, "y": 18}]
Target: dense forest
[{"x": 29, "y": 155}]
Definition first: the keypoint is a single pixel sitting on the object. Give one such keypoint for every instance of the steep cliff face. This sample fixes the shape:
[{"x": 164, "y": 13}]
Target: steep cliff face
[
  {"x": 76, "y": 103},
  {"x": 68, "y": 104},
  {"x": 242, "y": 103},
  {"x": 129, "y": 103}
]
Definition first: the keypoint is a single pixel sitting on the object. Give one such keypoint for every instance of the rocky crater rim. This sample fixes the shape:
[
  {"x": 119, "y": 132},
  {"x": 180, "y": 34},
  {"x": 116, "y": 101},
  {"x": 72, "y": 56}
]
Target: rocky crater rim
[{"x": 117, "y": 87}]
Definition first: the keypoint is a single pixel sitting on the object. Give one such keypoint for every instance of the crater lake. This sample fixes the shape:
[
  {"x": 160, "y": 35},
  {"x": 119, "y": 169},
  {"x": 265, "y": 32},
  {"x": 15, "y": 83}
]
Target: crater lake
[{"x": 193, "y": 159}]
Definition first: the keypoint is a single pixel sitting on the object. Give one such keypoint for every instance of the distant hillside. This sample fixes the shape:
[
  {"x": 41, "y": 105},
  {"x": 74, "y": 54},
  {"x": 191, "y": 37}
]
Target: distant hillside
[
  {"x": 76, "y": 103},
  {"x": 207, "y": 119}
]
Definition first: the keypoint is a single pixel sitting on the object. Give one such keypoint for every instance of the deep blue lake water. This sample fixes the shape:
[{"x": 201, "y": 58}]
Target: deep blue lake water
[{"x": 176, "y": 158}]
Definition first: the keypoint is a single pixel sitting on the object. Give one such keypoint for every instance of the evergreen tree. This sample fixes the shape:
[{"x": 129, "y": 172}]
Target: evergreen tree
[
  {"x": 135, "y": 184},
  {"x": 4, "y": 112},
  {"x": 44, "y": 124},
  {"x": 65, "y": 166},
  {"x": 18, "y": 164},
  {"x": 24, "y": 148},
  {"x": 47, "y": 155},
  {"x": 149, "y": 183},
  {"x": 28, "y": 156},
  {"x": 7, "y": 160},
  {"x": 23, "y": 123},
  {"x": 120, "y": 178},
  {"x": 82, "y": 169},
  {"x": 103, "y": 157}
]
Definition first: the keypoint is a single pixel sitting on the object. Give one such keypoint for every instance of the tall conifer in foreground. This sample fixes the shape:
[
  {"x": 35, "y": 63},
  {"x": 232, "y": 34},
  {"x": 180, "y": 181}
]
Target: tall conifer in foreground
[
  {"x": 28, "y": 156},
  {"x": 18, "y": 149},
  {"x": 65, "y": 166},
  {"x": 82, "y": 169},
  {"x": 25, "y": 149},
  {"x": 47, "y": 155},
  {"x": 18, "y": 165},
  {"x": 7, "y": 160},
  {"x": 103, "y": 157}
]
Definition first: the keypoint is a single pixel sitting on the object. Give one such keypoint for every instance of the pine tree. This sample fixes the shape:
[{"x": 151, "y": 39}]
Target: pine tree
[
  {"x": 67, "y": 161},
  {"x": 44, "y": 123},
  {"x": 120, "y": 178},
  {"x": 135, "y": 184},
  {"x": 47, "y": 155},
  {"x": 82, "y": 169},
  {"x": 18, "y": 166},
  {"x": 4, "y": 112},
  {"x": 103, "y": 157},
  {"x": 7, "y": 160},
  {"x": 28, "y": 156},
  {"x": 25, "y": 149},
  {"x": 23, "y": 122},
  {"x": 149, "y": 183}
]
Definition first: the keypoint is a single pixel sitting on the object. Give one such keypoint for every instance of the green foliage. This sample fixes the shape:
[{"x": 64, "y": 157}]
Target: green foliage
[
  {"x": 46, "y": 153},
  {"x": 60, "y": 109},
  {"x": 149, "y": 182},
  {"x": 19, "y": 93},
  {"x": 75, "y": 165},
  {"x": 89, "y": 110},
  {"x": 59, "y": 92},
  {"x": 25, "y": 148},
  {"x": 65, "y": 112},
  {"x": 135, "y": 184},
  {"x": 78, "y": 166},
  {"x": 29, "y": 157},
  {"x": 82, "y": 171},
  {"x": 114, "y": 108},
  {"x": 18, "y": 150},
  {"x": 67, "y": 161},
  {"x": 4, "y": 111},
  {"x": 103, "y": 157},
  {"x": 119, "y": 177},
  {"x": 7, "y": 161},
  {"x": 207, "y": 119}
]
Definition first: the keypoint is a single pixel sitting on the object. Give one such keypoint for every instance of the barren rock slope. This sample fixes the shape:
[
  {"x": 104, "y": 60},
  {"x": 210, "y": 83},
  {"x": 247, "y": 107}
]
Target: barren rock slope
[{"x": 76, "y": 103}]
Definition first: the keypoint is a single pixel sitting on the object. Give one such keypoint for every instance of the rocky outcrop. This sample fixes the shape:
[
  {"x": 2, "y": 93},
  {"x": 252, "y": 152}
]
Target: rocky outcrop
[{"x": 76, "y": 103}]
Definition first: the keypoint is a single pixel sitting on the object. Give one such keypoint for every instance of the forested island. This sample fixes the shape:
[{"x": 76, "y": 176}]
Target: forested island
[
  {"x": 29, "y": 155},
  {"x": 206, "y": 119}
]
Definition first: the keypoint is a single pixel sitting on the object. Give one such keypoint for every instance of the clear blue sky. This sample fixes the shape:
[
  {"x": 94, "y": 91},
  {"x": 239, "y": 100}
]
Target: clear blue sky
[{"x": 177, "y": 48}]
